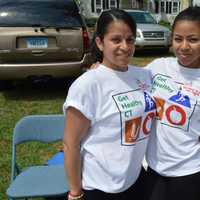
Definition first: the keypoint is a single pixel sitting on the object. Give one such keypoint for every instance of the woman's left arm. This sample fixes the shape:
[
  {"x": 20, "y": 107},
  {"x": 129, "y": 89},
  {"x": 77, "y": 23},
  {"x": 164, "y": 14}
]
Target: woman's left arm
[{"x": 76, "y": 128}]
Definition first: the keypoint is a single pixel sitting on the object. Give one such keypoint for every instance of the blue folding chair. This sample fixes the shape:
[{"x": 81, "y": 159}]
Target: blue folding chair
[{"x": 37, "y": 181}]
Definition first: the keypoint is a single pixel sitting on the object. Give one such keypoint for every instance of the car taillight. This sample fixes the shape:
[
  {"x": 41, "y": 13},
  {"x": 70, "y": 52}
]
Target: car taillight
[{"x": 86, "y": 42}]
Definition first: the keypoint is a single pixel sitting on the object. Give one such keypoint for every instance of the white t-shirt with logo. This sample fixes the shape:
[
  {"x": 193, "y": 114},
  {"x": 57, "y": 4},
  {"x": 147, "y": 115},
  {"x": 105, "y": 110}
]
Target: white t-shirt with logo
[
  {"x": 174, "y": 146},
  {"x": 121, "y": 112}
]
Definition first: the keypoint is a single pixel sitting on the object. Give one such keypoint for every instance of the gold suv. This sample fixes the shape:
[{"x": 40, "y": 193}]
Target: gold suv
[{"x": 42, "y": 38}]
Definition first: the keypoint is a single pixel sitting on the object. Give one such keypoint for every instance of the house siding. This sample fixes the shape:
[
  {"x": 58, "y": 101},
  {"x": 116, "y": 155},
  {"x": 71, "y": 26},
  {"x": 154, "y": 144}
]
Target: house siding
[
  {"x": 185, "y": 4},
  {"x": 168, "y": 16},
  {"x": 85, "y": 6}
]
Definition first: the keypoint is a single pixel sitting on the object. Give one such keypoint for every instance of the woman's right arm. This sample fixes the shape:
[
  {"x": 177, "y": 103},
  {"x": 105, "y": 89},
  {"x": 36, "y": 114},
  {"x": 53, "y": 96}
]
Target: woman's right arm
[{"x": 76, "y": 128}]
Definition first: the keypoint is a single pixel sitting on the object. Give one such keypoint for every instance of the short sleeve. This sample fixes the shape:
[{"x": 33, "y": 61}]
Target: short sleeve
[
  {"x": 81, "y": 96},
  {"x": 156, "y": 65}
]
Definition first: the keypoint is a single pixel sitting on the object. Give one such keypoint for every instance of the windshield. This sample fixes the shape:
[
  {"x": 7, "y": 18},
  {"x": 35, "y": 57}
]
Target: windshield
[
  {"x": 56, "y": 13},
  {"x": 143, "y": 18}
]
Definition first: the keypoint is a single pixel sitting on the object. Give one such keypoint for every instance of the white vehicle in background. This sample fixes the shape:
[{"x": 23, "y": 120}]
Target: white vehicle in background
[{"x": 150, "y": 35}]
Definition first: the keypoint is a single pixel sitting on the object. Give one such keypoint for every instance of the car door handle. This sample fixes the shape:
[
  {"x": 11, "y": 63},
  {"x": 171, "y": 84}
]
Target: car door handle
[{"x": 38, "y": 52}]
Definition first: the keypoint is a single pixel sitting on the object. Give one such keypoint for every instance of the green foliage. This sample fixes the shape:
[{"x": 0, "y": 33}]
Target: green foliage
[
  {"x": 165, "y": 23},
  {"x": 91, "y": 21}
]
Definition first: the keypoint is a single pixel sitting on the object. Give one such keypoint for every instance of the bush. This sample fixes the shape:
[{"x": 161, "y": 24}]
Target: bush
[
  {"x": 91, "y": 21},
  {"x": 165, "y": 23}
]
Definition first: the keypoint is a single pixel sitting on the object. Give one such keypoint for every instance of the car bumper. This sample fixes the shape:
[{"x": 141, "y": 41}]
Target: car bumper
[
  {"x": 56, "y": 70},
  {"x": 151, "y": 44}
]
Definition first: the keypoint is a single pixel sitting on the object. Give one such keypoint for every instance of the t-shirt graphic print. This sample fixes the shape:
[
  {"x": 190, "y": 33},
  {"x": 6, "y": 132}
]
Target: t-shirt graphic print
[
  {"x": 176, "y": 110},
  {"x": 135, "y": 125}
]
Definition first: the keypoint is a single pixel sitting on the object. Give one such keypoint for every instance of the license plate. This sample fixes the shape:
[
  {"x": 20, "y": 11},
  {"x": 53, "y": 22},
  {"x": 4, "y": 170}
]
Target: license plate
[{"x": 37, "y": 43}]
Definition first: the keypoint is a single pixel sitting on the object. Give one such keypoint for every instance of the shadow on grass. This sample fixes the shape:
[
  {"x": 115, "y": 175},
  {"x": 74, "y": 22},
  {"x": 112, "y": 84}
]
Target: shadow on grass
[
  {"x": 37, "y": 89},
  {"x": 155, "y": 53}
]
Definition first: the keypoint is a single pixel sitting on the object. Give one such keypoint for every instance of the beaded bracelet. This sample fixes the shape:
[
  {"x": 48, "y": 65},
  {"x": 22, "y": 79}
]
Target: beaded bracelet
[{"x": 72, "y": 197}]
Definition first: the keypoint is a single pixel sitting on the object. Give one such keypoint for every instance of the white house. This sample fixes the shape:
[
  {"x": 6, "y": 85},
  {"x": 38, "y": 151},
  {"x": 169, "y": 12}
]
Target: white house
[
  {"x": 165, "y": 9},
  {"x": 92, "y": 8},
  {"x": 168, "y": 9},
  {"x": 162, "y": 9}
]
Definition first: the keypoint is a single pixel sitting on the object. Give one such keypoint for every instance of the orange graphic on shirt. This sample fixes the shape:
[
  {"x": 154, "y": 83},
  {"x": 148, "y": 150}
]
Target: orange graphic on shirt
[
  {"x": 159, "y": 107},
  {"x": 149, "y": 118},
  {"x": 132, "y": 129},
  {"x": 178, "y": 117}
]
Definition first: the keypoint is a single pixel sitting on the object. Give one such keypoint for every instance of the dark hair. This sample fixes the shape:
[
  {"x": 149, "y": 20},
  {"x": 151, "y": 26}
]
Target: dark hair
[
  {"x": 105, "y": 19},
  {"x": 189, "y": 14}
]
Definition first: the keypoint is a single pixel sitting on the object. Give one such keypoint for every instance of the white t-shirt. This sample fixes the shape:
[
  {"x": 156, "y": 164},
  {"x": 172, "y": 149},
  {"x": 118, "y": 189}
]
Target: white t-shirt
[
  {"x": 121, "y": 112},
  {"x": 174, "y": 146}
]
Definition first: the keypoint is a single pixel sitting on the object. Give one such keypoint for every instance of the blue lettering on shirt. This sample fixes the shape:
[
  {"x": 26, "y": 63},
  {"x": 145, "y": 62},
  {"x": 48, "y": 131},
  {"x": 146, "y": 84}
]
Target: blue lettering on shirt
[
  {"x": 149, "y": 103},
  {"x": 181, "y": 99}
]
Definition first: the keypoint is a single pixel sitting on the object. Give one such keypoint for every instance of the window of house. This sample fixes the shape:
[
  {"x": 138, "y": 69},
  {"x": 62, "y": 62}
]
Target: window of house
[
  {"x": 176, "y": 7},
  {"x": 156, "y": 7},
  {"x": 113, "y": 4},
  {"x": 162, "y": 6},
  {"x": 99, "y": 5},
  {"x": 170, "y": 7},
  {"x": 92, "y": 6}
]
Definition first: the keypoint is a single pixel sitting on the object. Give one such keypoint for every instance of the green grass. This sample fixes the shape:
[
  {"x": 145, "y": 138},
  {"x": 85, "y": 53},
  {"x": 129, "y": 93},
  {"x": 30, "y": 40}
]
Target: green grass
[
  {"x": 16, "y": 103},
  {"x": 23, "y": 100}
]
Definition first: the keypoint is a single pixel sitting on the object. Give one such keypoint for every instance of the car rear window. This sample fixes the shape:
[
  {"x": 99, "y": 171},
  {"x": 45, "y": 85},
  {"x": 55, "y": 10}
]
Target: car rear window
[
  {"x": 143, "y": 18},
  {"x": 56, "y": 13}
]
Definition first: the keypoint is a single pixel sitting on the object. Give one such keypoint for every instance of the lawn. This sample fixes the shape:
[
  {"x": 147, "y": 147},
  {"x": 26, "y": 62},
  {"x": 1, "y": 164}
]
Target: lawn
[{"x": 27, "y": 99}]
